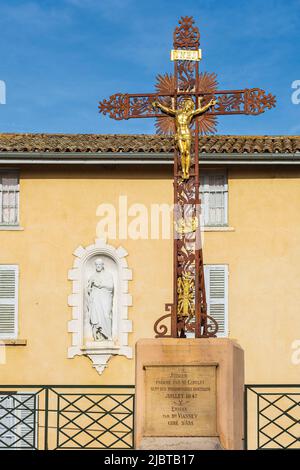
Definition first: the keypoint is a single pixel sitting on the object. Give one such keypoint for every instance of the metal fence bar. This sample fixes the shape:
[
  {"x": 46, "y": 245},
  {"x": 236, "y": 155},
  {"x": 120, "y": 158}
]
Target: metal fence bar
[
  {"x": 84, "y": 417},
  {"x": 258, "y": 421},
  {"x": 58, "y": 422},
  {"x": 248, "y": 386},
  {"x": 15, "y": 387},
  {"x": 246, "y": 419},
  {"x": 46, "y": 418},
  {"x": 276, "y": 408}
]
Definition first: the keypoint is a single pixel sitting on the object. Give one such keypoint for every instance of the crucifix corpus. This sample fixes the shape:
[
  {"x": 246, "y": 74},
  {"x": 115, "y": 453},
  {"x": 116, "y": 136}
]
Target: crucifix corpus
[
  {"x": 186, "y": 104},
  {"x": 183, "y": 119}
]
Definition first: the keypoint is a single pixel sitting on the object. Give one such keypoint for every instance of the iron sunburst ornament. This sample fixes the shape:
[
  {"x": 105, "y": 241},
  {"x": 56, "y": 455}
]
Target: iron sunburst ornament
[{"x": 208, "y": 83}]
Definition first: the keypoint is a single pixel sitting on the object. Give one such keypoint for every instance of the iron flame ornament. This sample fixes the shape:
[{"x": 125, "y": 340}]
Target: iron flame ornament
[{"x": 188, "y": 312}]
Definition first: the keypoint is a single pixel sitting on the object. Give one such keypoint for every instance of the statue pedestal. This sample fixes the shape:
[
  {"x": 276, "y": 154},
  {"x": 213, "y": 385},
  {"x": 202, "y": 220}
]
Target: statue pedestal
[{"x": 189, "y": 392}]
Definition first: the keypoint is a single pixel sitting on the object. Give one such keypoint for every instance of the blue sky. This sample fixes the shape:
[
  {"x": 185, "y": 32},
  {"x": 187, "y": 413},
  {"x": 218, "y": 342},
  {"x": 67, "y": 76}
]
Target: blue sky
[{"x": 59, "y": 58}]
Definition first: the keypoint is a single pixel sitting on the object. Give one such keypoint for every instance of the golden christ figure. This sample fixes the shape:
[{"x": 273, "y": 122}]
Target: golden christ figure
[{"x": 183, "y": 118}]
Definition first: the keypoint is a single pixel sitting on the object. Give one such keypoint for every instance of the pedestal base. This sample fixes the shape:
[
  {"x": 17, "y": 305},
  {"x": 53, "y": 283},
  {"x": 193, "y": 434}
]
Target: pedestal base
[
  {"x": 180, "y": 443},
  {"x": 189, "y": 392}
]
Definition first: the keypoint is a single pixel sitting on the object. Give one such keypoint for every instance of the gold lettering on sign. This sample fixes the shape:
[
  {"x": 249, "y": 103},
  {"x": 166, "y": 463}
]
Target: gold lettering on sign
[
  {"x": 186, "y": 54},
  {"x": 180, "y": 400}
]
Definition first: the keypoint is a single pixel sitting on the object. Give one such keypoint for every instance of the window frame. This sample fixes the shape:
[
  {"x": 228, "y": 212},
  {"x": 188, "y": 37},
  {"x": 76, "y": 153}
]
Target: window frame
[
  {"x": 6, "y": 172},
  {"x": 214, "y": 172}
]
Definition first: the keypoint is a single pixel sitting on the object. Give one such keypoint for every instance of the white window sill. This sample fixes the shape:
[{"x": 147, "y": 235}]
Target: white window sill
[
  {"x": 11, "y": 227},
  {"x": 13, "y": 342},
  {"x": 218, "y": 229}
]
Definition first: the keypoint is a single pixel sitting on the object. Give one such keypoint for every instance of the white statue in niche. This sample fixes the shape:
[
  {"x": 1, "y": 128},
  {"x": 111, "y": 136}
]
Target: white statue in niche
[{"x": 100, "y": 295}]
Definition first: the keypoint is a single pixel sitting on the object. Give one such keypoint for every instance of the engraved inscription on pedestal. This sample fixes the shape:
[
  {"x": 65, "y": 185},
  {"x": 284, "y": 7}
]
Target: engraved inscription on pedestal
[{"x": 180, "y": 400}]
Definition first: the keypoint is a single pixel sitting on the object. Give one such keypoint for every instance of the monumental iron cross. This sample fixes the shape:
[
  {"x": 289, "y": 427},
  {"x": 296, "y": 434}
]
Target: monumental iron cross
[{"x": 177, "y": 96}]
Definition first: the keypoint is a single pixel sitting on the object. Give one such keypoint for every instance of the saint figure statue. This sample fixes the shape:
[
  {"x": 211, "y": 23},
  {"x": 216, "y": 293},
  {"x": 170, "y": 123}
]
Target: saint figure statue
[
  {"x": 100, "y": 292},
  {"x": 183, "y": 118}
]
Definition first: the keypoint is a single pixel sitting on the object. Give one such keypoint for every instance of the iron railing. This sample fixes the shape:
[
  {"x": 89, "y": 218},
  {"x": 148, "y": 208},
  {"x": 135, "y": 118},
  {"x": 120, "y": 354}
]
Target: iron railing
[
  {"x": 66, "y": 417},
  {"x": 102, "y": 417},
  {"x": 272, "y": 416}
]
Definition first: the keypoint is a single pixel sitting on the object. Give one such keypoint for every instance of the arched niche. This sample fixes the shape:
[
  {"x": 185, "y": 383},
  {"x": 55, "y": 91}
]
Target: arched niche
[{"x": 99, "y": 348}]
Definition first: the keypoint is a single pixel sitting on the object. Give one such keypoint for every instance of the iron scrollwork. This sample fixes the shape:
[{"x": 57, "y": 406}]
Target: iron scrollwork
[
  {"x": 186, "y": 34},
  {"x": 116, "y": 106},
  {"x": 188, "y": 313}
]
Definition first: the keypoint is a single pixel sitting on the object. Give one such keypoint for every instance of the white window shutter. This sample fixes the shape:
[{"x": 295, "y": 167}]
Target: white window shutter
[
  {"x": 216, "y": 283},
  {"x": 9, "y": 275}
]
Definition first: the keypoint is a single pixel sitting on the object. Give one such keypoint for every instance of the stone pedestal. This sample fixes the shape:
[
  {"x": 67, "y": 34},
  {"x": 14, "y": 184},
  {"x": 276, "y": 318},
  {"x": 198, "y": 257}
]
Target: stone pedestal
[{"x": 189, "y": 392}]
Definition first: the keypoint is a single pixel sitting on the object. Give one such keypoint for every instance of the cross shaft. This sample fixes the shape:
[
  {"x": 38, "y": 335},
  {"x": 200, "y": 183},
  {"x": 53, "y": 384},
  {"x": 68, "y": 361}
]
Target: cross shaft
[{"x": 188, "y": 312}]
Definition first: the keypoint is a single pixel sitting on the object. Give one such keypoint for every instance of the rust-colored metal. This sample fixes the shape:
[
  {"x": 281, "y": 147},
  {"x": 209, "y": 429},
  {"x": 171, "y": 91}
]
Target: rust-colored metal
[
  {"x": 188, "y": 312},
  {"x": 248, "y": 101}
]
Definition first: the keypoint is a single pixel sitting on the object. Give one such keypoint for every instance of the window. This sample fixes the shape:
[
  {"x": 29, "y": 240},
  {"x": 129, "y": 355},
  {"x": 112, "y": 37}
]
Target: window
[
  {"x": 9, "y": 198},
  {"x": 216, "y": 283},
  {"x": 18, "y": 420},
  {"x": 9, "y": 275},
  {"x": 214, "y": 197}
]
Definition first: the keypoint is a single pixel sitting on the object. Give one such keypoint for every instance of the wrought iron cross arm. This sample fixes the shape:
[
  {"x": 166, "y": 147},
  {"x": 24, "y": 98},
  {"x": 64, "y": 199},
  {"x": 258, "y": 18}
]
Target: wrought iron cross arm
[
  {"x": 126, "y": 106},
  {"x": 116, "y": 106},
  {"x": 249, "y": 101}
]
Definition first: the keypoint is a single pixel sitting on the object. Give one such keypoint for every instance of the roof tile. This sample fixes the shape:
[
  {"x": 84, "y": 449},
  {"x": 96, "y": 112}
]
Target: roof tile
[{"x": 98, "y": 143}]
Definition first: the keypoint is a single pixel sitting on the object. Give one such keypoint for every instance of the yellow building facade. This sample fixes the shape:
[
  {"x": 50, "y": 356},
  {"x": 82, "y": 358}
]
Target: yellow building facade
[{"x": 62, "y": 182}]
